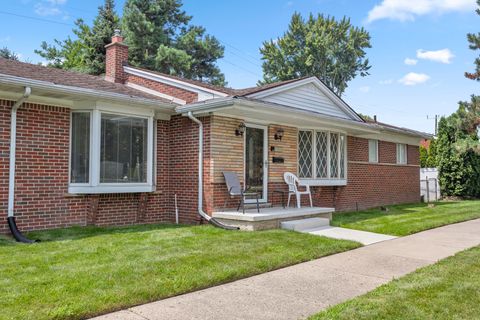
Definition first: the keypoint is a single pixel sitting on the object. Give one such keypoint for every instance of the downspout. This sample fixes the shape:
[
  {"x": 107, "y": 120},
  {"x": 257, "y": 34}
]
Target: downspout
[
  {"x": 11, "y": 176},
  {"x": 202, "y": 213}
]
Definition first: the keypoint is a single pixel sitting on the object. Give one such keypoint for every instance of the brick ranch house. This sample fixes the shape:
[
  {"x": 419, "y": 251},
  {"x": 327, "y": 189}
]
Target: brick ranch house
[{"x": 115, "y": 150}]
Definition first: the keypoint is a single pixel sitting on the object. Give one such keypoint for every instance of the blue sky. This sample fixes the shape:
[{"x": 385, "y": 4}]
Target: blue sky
[{"x": 418, "y": 56}]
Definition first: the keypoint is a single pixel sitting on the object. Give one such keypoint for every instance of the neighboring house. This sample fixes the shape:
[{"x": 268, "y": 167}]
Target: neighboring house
[{"x": 116, "y": 151}]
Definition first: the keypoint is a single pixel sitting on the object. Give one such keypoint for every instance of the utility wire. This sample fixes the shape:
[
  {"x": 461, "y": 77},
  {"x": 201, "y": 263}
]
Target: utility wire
[{"x": 36, "y": 18}]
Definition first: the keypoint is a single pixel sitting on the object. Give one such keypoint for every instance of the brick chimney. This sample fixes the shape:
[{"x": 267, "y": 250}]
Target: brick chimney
[{"x": 116, "y": 58}]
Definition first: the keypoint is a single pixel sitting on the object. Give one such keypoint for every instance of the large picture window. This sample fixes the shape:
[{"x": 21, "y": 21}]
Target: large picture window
[
  {"x": 123, "y": 149},
  {"x": 321, "y": 155},
  {"x": 111, "y": 152}
]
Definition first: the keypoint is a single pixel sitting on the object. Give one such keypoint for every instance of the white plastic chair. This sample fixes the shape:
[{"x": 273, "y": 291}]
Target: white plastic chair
[{"x": 293, "y": 183}]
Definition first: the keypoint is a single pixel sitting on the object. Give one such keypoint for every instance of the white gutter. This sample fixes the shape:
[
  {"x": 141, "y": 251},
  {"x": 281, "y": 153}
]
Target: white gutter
[
  {"x": 83, "y": 92},
  {"x": 223, "y": 103},
  {"x": 202, "y": 213},
  {"x": 13, "y": 141}
]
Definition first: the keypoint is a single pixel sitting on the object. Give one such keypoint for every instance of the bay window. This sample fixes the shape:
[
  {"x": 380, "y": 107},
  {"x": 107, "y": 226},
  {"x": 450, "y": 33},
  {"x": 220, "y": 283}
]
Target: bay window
[
  {"x": 321, "y": 157},
  {"x": 111, "y": 152}
]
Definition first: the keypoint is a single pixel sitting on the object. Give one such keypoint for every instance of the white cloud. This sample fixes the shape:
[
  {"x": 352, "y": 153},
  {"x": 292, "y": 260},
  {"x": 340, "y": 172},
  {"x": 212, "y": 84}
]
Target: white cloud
[
  {"x": 289, "y": 4},
  {"x": 388, "y": 81},
  {"x": 5, "y": 39},
  {"x": 49, "y": 7},
  {"x": 443, "y": 56},
  {"x": 364, "y": 89},
  {"x": 408, "y": 10},
  {"x": 412, "y": 78},
  {"x": 410, "y": 62}
]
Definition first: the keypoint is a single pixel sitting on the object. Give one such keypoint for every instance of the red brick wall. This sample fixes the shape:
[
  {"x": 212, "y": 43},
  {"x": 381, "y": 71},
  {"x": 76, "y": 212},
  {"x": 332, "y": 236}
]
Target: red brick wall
[
  {"x": 41, "y": 199},
  {"x": 371, "y": 185},
  {"x": 178, "y": 93},
  {"x": 116, "y": 56}
]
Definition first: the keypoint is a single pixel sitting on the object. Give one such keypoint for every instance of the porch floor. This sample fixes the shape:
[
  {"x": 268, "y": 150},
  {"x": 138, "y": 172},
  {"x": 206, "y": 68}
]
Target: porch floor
[{"x": 269, "y": 218}]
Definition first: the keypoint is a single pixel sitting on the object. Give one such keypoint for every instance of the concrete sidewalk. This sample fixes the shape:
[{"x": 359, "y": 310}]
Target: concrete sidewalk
[{"x": 304, "y": 289}]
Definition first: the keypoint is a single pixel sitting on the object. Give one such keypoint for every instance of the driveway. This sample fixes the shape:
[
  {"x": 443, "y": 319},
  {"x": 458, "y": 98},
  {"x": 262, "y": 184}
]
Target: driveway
[{"x": 304, "y": 289}]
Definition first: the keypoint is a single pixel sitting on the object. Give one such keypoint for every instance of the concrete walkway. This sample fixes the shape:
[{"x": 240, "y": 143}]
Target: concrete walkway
[
  {"x": 364, "y": 237},
  {"x": 304, "y": 289}
]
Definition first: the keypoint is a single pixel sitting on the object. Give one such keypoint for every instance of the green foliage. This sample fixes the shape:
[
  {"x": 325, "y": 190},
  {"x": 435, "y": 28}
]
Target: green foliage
[
  {"x": 160, "y": 38},
  {"x": 423, "y": 157},
  {"x": 458, "y": 151},
  {"x": 87, "y": 52},
  {"x": 365, "y": 117},
  {"x": 428, "y": 156},
  {"x": 332, "y": 50},
  {"x": 8, "y": 54},
  {"x": 474, "y": 40}
]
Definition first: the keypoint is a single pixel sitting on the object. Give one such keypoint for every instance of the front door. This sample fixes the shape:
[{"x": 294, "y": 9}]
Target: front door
[{"x": 256, "y": 162}]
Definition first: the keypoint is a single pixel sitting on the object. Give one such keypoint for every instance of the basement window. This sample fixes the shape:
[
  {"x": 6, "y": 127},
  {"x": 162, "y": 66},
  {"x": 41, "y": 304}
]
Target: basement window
[
  {"x": 322, "y": 157},
  {"x": 111, "y": 152}
]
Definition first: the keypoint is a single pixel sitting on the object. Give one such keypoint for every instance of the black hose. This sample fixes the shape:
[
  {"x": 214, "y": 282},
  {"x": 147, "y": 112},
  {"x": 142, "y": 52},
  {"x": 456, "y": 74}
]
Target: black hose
[
  {"x": 221, "y": 225},
  {"x": 16, "y": 233}
]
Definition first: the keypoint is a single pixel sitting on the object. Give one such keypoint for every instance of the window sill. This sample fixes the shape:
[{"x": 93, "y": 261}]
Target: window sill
[
  {"x": 110, "y": 189},
  {"x": 323, "y": 182}
]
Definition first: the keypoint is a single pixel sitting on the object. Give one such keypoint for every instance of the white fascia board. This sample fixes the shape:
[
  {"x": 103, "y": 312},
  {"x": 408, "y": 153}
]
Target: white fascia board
[
  {"x": 33, "y": 98},
  {"x": 221, "y": 106},
  {"x": 173, "y": 82},
  {"x": 317, "y": 83},
  {"x": 155, "y": 93},
  {"x": 82, "y": 92}
]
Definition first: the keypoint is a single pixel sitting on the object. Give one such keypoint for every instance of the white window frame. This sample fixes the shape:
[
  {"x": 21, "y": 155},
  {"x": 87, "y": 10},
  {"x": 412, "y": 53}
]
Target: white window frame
[
  {"x": 314, "y": 181},
  {"x": 401, "y": 146},
  {"x": 375, "y": 143},
  {"x": 94, "y": 185}
]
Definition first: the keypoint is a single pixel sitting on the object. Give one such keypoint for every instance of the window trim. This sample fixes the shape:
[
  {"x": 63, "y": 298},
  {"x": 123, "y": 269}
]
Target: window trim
[
  {"x": 404, "y": 146},
  {"x": 94, "y": 185},
  {"x": 314, "y": 180},
  {"x": 376, "y": 151}
]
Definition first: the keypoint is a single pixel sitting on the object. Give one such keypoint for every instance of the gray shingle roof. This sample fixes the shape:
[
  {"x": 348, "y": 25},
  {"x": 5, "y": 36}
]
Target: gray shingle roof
[{"x": 70, "y": 78}]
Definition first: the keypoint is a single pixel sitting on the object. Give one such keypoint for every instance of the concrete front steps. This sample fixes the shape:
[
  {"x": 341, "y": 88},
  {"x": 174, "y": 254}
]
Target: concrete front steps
[{"x": 303, "y": 225}]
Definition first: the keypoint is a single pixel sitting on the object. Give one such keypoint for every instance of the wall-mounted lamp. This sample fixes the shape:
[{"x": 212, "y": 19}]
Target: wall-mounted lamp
[
  {"x": 240, "y": 130},
  {"x": 279, "y": 134}
]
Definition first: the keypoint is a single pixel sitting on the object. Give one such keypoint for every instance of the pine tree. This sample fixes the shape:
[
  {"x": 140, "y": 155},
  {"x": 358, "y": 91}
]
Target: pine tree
[
  {"x": 321, "y": 46},
  {"x": 474, "y": 40},
  {"x": 160, "y": 38},
  {"x": 8, "y": 54},
  {"x": 87, "y": 52}
]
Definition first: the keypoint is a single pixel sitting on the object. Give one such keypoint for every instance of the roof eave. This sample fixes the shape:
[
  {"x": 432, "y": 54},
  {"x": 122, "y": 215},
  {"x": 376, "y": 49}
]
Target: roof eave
[{"x": 82, "y": 92}]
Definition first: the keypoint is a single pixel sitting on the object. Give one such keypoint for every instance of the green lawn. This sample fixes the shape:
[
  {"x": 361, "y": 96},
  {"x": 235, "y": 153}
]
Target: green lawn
[
  {"x": 403, "y": 220},
  {"x": 81, "y": 272},
  {"x": 449, "y": 289}
]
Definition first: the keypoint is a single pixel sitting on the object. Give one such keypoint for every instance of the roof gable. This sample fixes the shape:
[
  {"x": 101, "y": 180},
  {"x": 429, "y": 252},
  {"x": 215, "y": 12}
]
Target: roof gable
[{"x": 308, "y": 94}]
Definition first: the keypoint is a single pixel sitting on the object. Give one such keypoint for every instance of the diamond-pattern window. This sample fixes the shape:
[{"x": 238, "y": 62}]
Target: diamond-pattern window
[
  {"x": 342, "y": 156},
  {"x": 333, "y": 155},
  {"x": 305, "y": 167},
  {"x": 322, "y": 154}
]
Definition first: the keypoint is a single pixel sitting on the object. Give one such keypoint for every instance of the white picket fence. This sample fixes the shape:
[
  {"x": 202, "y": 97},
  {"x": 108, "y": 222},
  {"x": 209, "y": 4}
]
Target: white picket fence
[{"x": 429, "y": 186}]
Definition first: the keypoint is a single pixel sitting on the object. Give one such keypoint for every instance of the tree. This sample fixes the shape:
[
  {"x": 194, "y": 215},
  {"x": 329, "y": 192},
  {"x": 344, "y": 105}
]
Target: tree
[
  {"x": 87, "y": 52},
  {"x": 428, "y": 154},
  {"x": 160, "y": 38},
  {"x": 458, "y": 151},
  {"x": 474, "y": 40},
  {"x": 8, "y": 54},
  {"x": 332, "y": 50}
]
